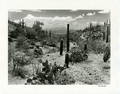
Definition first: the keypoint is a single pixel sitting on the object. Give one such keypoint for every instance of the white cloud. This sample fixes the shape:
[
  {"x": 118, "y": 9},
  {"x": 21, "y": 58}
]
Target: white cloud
[
  {"x": 95, "y": 23},
  {"x": 29, "y": 16},
  {"x": 80, "y": 16},
  {"x": 57, "y": 18},
  {"x": 50, "y": 22},
  {"x": 15, "y": 10},
  {"x": 104, "y": 11},
  {"x": 36, "y": 10},
  {"x": 90, "y": 14},
  {"x": 76, "y": 18}
]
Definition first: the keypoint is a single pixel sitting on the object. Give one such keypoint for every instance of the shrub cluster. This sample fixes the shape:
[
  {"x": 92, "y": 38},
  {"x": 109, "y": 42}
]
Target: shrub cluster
[
  {"x": 38, "y": 51},
  {"x": 64, "y": 79},
  {"x": 19, "y": 61},
  {"x": 50, "y": 74},
  {"x": 78, "y": 55},
  {"x": 97, "y": 46}
]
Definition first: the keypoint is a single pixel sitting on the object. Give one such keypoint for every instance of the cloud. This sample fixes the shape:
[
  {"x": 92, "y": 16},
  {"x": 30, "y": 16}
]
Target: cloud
[
  {"x": 15, "y": 10},
  {"x": 104, "y": 11},
  {"x": 51, "y": 22},
  {"x": 90, "y": 14},
  {"x": 36, "y": 10},
  {"x": 95, "y": 23},
  {"x": 29, "y": 16},
  {"x": 57, "y": 18},
  {"x": 78, "y": 17}
]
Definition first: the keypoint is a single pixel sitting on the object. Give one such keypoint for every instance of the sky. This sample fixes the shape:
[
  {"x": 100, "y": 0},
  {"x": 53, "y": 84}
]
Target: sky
[{"x": 58, "y": 19}]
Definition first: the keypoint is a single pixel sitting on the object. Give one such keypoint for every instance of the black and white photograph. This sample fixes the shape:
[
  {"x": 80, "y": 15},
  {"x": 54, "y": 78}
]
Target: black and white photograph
[{"x": 59, "y": 47}]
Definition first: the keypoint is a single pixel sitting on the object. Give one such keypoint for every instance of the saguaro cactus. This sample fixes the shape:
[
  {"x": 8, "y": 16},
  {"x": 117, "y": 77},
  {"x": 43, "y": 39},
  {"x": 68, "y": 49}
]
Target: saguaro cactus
[
  {"x": 103, "y": 36},
  {"x": 106, "y": 54},
  {"x": 67, "y": 60},
  {"x": 85, "y": 48},
  {"x": 91, "y": 28},
  {"x": 22, "y": 23},
  {"x": 107, "y": 30},
  {"x": 68, "y": 45},
  {"x": 104, "y": 33},
  {"x": 107, "y": 34},
  {"x": 61, "y": 46}
]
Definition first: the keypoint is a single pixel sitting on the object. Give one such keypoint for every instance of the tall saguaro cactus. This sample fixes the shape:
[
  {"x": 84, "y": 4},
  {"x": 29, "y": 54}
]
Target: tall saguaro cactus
[
  {"x": 108, "y": 31},
  {"x": 104, "y": 32},
  {"x": 107, "y": 35},
  {"x": 68, "y": 45},
  {"x": 61, "y": 47}
]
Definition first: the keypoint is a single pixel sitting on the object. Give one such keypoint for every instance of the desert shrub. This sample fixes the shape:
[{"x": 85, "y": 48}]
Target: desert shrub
[
  {"x": 51, "y": 43},
  {"x": 38, "y": 51},
  {"x": 80, "y": 42},
  {"x": 64, "y": 79},
  {"x": 36, "y": 69},
  {"x": 43, "y": 78},
  {"x": 53, "y": 50},
  {"x": 19, "y": 61},
  {"x": 20, "y": 72},
  {"x": 30, "y": 33},
  {"x": 22, "y": 43},
  {"x": 77, "y": 55},
  {"x": 44, "y": 42},
  {"x": 50, "y": 74},
  {"x": 96, "y": 46}
]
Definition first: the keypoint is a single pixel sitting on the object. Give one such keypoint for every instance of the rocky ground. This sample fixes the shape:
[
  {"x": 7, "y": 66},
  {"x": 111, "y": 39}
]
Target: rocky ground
[{"x": 92, "y": 71}]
